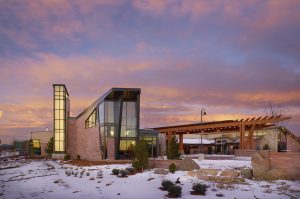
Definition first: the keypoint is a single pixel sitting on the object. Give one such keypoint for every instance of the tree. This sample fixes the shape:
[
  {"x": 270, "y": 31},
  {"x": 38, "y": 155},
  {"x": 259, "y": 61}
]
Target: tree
[
  {"x": 49, "y": 147},
  {"x": 173, "y": 149},
  {"x": 140, "y": 155}
]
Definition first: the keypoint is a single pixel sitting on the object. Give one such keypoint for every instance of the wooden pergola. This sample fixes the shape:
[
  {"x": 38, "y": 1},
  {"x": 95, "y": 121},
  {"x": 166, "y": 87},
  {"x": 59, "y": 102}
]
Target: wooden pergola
[{"x": 246, "y": 142}]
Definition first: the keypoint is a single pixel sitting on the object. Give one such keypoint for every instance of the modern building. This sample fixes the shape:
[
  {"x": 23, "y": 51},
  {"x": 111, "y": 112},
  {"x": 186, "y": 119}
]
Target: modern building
[{"x": 107, "y": 129}]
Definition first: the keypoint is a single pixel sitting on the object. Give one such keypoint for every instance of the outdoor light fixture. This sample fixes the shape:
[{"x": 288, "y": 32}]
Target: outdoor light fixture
[{"x": 203, "y": 113}]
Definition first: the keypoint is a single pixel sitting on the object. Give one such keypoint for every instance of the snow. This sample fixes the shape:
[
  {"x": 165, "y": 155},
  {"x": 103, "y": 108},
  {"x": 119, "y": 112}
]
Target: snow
[
  {"x": 197, "y": 141},
  {"x": 36, "y": 179}
]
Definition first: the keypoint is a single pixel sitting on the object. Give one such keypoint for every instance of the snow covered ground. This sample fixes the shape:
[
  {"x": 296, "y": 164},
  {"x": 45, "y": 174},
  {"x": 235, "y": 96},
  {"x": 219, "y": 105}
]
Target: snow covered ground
[{"x": 47, "y": 179}]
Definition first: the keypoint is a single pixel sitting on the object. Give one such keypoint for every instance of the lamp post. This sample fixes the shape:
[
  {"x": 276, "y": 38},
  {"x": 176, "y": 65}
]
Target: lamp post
[{"x": 203, "y": 113}]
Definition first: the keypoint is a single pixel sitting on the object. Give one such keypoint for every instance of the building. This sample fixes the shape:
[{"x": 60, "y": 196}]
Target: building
[
  {"x": 39, "y": 141},
  {"x": 232, "y": 136},
  {"x": 107, "y": 129}
]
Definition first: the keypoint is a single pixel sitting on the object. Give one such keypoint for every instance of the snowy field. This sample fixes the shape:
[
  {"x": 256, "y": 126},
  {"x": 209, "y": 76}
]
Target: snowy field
[{"x": 47, "y": 179}]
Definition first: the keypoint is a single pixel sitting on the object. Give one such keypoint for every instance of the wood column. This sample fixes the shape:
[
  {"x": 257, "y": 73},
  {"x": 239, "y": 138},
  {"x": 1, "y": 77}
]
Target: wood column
[
  {"x": 169, "y": 138},
  {"x": 181, "y": 144},
  {"x": 242, "y": 135}
]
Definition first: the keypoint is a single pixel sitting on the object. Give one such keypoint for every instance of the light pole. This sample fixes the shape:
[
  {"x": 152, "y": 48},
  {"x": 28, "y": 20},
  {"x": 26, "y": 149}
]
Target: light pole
[{"x": 203, "y": 113}]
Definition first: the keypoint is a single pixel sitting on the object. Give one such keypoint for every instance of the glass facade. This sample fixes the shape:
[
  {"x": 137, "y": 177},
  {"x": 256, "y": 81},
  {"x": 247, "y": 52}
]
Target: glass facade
[
  {"x": 92, "y": 120},
  {"x": 60, "y": 115}
]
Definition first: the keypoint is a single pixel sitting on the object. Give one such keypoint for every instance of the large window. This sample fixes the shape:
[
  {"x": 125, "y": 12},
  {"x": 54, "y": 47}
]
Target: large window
[
  {"x": 60, "y": 96},
  {"x": 129, "y": 120},
  {"x": 92, "y": 120}
]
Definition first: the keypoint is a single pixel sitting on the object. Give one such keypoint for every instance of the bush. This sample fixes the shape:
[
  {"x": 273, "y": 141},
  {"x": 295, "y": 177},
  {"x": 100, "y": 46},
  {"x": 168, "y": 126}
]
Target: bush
[
  {"x": 266, "y": 147},
  {"x": 130, "y": 170},
  {"x": 174, "y": 191},
  {"x": 140, "y": 155},
  {"x": 49, "y": 147},
  {"x": 115, "y": 171},
  {"x": 67, "y": 157},
  {"x": 173, "y": 149},
  {"x": 123, "y": 173},
  {"x": 172, "y": 168},
  {"x": 166, "y": 184},
  {"x": 199, "y": 189},
  {"x": 78, "y": 157}
]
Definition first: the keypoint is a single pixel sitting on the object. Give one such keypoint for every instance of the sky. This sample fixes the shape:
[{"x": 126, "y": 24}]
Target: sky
[{"x": 233, "y": 58}]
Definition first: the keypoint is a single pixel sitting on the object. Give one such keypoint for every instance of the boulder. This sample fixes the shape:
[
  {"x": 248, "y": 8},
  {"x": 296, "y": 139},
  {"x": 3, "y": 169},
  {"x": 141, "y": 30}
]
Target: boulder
[
  {"x": 161, "y": 171},
  {"x": 260, "y": 164},
  {"x": 220, "y": 179},
  {"x": 188, "y": 164},
  {"x": 192, "y": 173},
  {"x": 230, "y": 173},
  {"x": 277, "y": 174},
  {"x": 247, "y": 173},
  {"x": 212, "y": 172}
]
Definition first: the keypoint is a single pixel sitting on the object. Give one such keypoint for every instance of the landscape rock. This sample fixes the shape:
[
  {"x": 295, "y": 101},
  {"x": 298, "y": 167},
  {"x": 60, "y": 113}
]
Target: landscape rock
[
  {"x": 260, "y": 164},
  {"x": 212, "y": 172},
  {"x": 220, "y": 179},
  {"x": 247, "y": 173},
  {"x": 161, "y": 171},
  {"x": 230, "y": 173},
  {"x": 188, "y": 164}
]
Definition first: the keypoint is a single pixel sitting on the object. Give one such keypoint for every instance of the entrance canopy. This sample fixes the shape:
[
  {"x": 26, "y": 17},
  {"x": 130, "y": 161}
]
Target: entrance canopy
[{"x": 242, "y": 125}]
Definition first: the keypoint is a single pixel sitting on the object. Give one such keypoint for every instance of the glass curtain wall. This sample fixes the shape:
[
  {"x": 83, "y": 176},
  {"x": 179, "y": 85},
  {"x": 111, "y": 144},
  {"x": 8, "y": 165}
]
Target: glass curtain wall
[{"x": 60, "y": 96}]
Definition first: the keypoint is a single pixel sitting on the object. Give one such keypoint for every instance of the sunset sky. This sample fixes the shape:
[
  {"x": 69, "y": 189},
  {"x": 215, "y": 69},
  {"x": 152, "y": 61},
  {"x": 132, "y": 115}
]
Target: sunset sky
[{"x": 232, "y": 57}]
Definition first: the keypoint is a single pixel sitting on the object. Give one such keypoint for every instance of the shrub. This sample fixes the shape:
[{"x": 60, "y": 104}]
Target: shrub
[
  {"x": 67, "y": 157},
  {"x": 173, "y": 149},
  {"x": 172, "y": 168},
  {"x": 123, "y": 173},
  {"x": 49, "y": 147},
  {"x": 166, "y": 184},
  {"x": 266, "y": 147},
  {"x": 78, "y": 157},
  {"x": 199, "y": 189},
  {"x": 140, "y": 155},
  {"x": 115, "y": 171},
  {"x": 174, "y": 191},
  {"x": 130, "y": 170}
]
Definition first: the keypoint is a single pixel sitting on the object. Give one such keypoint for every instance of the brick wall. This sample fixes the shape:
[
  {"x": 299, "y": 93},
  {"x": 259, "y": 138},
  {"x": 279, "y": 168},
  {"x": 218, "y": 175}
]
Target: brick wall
[
  {"x": 83, "y": 141},
  {"x": 292, "y": 144}
]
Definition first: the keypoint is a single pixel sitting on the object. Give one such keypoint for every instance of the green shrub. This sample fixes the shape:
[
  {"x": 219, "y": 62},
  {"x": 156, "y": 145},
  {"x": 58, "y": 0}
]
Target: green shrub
[
  {"x": 172, "y": 168},
  {"x": 78, "y": 157},
  {"x": 130, "y": 170},
  {"x": 49, "y": 147},
  {"x": 174, "y": 191},
  {"x": 67, "y": 157},
  {"x": 199, "y": 189},
  {"x": 123, "y": 173},
  {"x": 140, "y": 155},
  {"x": 115, "y": 171},
  {"x": 173, "y": 149},
  {"x": 266, "y": 147},
  {"x": 166, "y": 184}
]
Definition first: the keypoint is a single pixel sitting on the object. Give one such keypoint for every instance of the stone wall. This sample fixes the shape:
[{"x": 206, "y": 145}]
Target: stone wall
[{"x": 274, "y": 165}]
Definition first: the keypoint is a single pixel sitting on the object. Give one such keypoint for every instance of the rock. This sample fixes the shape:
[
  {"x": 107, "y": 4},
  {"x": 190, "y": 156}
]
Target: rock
[
  {"x": 220, "y": 195},
  {"x": 202, "y": 176},
  {"x": 188, "y": 164},
  {"x": 277, "y": 174},
  {"x": 260, "y": 164},
  {"x": 192, "y": 173},
  {"x": 220, "y": 179},
  {"x": 230, "y": 173},
  {"x": 212, "y": 172},
  {"x": 247, "y": 173},
  {"x": 161, "y": 171}
]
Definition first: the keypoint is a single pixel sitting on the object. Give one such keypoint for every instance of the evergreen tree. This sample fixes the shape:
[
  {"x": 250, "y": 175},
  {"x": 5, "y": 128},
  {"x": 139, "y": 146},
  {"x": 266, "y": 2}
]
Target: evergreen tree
[
  {"x": 173, "y": 149},
  {"x": 140, "y": 155},
  {"x": 49, "y": 147}
]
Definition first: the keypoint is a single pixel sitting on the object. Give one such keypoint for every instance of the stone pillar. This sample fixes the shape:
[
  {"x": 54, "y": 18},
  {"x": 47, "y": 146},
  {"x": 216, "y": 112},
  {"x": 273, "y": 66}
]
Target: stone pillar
[{"x": 181, "y": 144}]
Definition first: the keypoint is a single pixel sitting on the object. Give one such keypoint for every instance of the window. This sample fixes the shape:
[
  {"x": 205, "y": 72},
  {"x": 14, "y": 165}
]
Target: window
[
  {"x": 92, "y": 120},
  {"x": 129, "y": 120}
]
